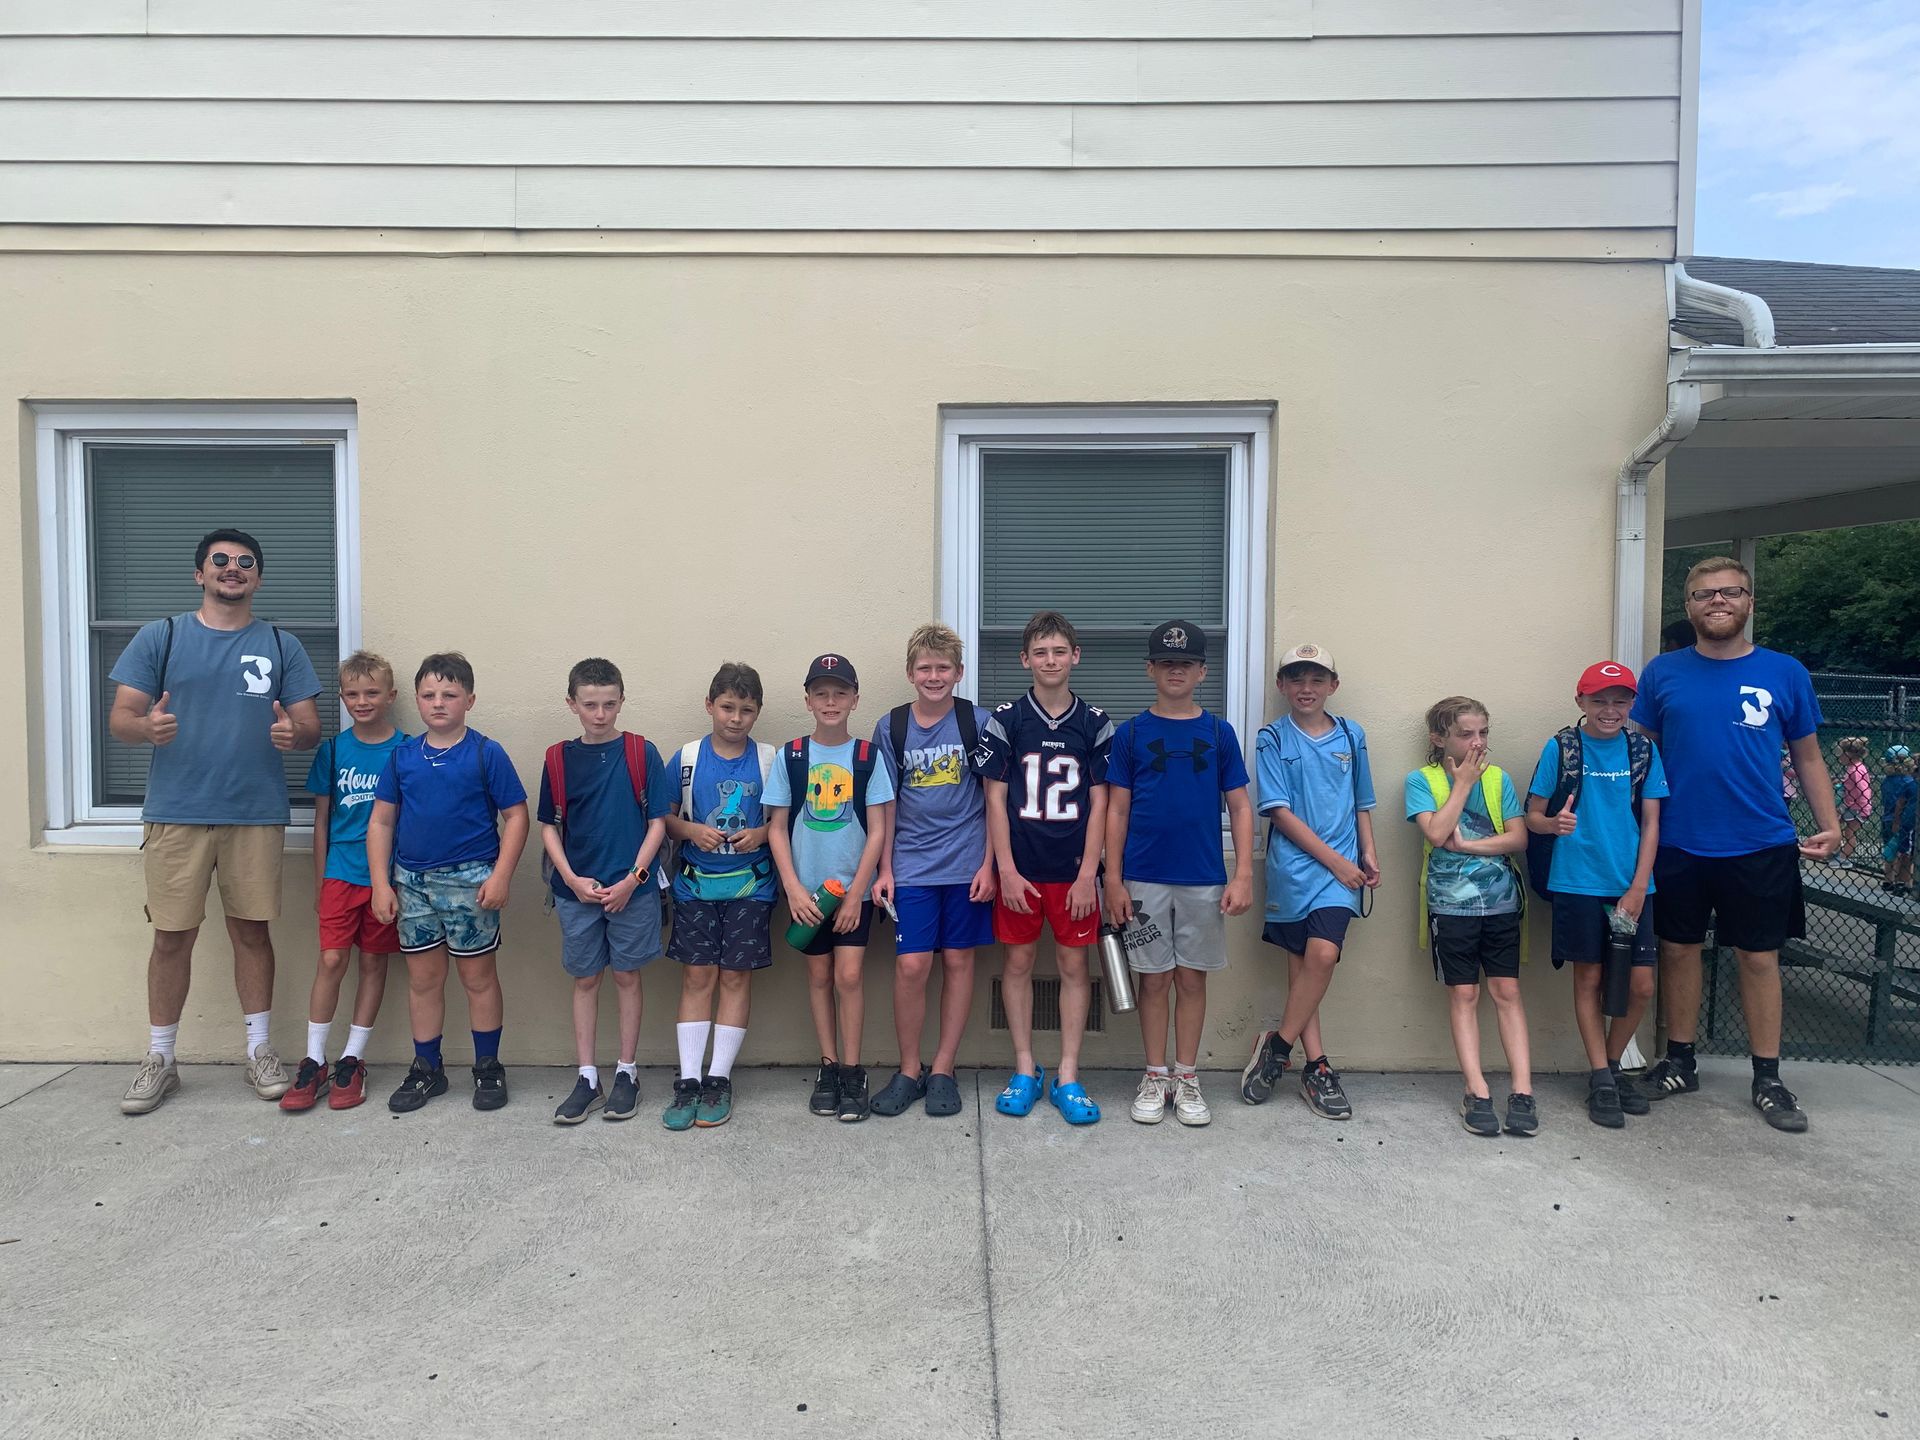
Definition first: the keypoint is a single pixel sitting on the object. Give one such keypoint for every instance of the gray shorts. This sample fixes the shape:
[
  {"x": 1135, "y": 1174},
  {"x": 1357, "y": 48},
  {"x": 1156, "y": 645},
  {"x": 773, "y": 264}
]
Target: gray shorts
[
  {"x": 1175, "y": 925},
  {"x": 591, "y": 939}
]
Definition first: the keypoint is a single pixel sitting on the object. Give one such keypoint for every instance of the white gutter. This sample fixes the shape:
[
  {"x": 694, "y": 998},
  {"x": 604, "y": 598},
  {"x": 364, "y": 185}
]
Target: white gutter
[{"x": 1749, "y": 311}]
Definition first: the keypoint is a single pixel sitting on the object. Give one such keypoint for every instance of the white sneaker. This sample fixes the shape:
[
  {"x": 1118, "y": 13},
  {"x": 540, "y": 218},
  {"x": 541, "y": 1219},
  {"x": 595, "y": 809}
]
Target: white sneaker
[
  {"x": 1189, "y": 1107},
  {"x": 267, "y": 1075},
  {"x": 1150, "y": 1101},
  {"x": 157, "y": 1079}
]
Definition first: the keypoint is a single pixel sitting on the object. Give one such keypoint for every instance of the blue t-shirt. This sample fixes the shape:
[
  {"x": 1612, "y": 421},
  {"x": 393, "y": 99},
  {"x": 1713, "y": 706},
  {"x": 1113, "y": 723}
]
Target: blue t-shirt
[
  {"x": 346, "y": 769},
  {"x": 1316, "y": 777},
  {"x": 448, "y": 800},
  {"x": 1892, "y": 789},
  {"x": 1722, "y": 725},
  {"x": 940, "y": 809},
  {"x": 829, "y": 838},
  {"x": 1050, "y": 765},
  {"x": 726, "y": 795},
  {"x": 1598, "y": 858},
  {"x": 1470, "y": 884},
  {"x": 605, "y": 824},
  {"x": 1178, "y": 771},
  {"x": 221, "y": 767}
]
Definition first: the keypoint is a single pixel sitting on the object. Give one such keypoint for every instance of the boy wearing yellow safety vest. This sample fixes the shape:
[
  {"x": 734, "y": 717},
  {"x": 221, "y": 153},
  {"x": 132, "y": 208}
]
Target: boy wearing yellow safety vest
[{"x": 1471, "y": 900}]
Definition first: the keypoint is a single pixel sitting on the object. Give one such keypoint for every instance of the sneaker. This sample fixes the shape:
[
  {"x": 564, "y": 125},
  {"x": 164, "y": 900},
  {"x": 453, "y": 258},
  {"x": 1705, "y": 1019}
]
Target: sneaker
[
  {"x": 423, "y": 1082},
  {"x": 854, "y": 1104},
  {"x": 1664, "y": 1078},
  {"x": 1633, "y": 1100},
  {"x": 1476, "y": 1113},
  {"x": 1521, "y": 1116},
  {"x": 349, "y": 1083},
  {"x": 1264, "y": 1070},
  {"x": 1189, "y": 1105},
  {"x": 716, "y": 1102},
  {"x": 681, "y": 1110},
  {"x": 1320, "y": 1085},
  {"x": 308, "y": 1086},
  {"x": 489, "y": 1083},
  {"x": 623, "y": 1101},
  {"x": 1777, "y": 1103},
  {"x": 584, "y": 1100},
  {"x": 1150, "y": 1100},
  {"x": 266, "y": 1074},
  {"x": 1604, "y": 1108},
  {"x": 825, "y": 1099},
  {"x": 157, "y": 1078}
]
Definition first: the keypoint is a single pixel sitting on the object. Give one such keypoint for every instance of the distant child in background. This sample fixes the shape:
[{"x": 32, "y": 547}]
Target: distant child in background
[
  {"x": 1898, "y": 795},
  {"x": 1856, "y": 793}
]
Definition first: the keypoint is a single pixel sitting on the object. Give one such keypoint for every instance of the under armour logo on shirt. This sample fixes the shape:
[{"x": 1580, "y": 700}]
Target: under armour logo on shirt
[{"x": 1198, "y": 755}]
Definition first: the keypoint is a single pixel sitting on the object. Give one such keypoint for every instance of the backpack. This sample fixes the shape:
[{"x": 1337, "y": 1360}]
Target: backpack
[
  {"x": 684, "y": 759},
  {"x": 1491, "y": 786},
  {"x": 279, "y": 653},
  {"x": 636, "y": 755},
  {"x": 797, "y": 755},
  {"x": 1566, "y": 790},
  {"x": 1273, "y": 728},
  {"x": 963, "y": 716}
]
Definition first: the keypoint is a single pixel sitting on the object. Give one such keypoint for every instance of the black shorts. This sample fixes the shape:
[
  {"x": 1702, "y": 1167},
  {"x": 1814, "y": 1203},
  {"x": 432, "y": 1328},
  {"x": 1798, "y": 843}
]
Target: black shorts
[
  {"x": 729, "y": 933},
  {"x": 1465, "y": 945},
  {"x": 1580, "y": 931},
  {"x": 826, "y": 939},
  {"x": 1751, "y": 902},
  {"x": 1327, "y": 923}
]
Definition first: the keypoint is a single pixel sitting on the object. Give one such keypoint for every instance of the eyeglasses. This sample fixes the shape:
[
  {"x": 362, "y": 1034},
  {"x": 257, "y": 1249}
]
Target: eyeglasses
[
  {"x": 221, "y": 560},
  {"x": 1725, "y": 592}
]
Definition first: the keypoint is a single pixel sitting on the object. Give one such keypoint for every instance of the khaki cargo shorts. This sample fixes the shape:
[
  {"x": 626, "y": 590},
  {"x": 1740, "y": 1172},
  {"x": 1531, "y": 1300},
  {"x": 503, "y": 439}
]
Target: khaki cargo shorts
[{"x": 182, "y": 859}]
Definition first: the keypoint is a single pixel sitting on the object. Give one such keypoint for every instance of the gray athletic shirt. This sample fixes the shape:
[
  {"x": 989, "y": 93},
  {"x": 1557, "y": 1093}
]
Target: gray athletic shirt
[{"x": 221, "y": 768}]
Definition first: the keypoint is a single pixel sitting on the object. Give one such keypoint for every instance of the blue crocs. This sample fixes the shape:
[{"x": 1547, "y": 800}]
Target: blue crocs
[
  {"x": 1022, "y": 1093},
  {"x": 1076, "y": 1107}
]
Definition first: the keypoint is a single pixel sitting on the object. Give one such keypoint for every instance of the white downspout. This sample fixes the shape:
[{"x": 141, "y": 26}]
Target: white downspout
[
  {"x": 1755, "y": 319},
  {"x": 1630, "y": 520}
]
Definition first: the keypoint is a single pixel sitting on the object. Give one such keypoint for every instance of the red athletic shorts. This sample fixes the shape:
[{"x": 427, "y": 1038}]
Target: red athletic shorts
[
  {"x": 346, "y": 920},
  {"x": 1010, "y": 928}
]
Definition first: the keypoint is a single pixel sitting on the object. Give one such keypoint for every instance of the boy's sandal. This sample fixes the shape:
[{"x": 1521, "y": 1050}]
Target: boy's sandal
[
  {"x": 1022, "y": 1093},
  {"x": 1076, "y": 1107},
  {"x": 898, "y": 1093},
  {"x": 943, "y": 1095}
]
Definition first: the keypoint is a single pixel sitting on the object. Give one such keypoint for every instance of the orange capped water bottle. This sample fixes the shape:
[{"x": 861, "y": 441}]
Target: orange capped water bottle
[{"x": 828, "y": 898}]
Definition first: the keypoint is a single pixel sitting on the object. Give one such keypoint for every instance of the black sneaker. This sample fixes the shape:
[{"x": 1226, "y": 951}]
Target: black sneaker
[
  {"x": 489, "y": 1083},
  {"x": 853, "y": 1093},
  {"x": 1522, "y": 1119},
  {"x": 1664, "y": 1078},
  {"x": 1476, "y": 1113},
  {"x": 423, "y": 1082},
  {"x": 1264, "y": 1070},
  {"x": 825, "y": 1099},
  {"x": 623, "y": 1101},
  {"x": 1633, "y": 1099},
  {"x": 584, "y": 1100},
  {"x": 1320, "y": 1086},
  {"x": 1603, "y": 1107},
  {"x": 1777, "y": 1103}
]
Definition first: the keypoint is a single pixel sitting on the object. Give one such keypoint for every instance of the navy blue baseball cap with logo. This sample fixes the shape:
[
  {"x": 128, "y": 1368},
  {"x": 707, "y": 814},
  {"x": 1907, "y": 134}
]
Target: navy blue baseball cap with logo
[
  {"x": 1177, "y": 640},
  {"x": 831, "y": 667}
]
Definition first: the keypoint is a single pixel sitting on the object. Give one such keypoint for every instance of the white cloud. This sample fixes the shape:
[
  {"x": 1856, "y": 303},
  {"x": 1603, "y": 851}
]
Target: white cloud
[{"x": 1807, "y": 200}]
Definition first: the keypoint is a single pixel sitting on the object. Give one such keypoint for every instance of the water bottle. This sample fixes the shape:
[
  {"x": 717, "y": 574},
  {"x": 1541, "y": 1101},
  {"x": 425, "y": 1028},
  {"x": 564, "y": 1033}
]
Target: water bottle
[
  {"x": 828, "y": 898},
  {"x": 1113, "y": 955},
  {"x": 1616, "y": 972}
]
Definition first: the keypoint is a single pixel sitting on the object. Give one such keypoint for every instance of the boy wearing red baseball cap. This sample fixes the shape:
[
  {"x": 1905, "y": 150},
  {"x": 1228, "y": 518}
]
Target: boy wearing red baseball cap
[{"x": 1596, "y": 795}]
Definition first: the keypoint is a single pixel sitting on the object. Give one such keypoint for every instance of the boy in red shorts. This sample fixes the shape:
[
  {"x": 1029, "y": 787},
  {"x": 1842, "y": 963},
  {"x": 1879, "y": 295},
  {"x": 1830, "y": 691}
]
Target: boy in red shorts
[
  {"x": 1044, "y": 761},
  {"x": 345, "y": 770}
]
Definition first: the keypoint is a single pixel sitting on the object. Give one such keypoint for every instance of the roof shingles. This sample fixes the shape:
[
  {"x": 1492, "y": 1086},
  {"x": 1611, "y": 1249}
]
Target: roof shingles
[{"x": 1811, "y": 304}]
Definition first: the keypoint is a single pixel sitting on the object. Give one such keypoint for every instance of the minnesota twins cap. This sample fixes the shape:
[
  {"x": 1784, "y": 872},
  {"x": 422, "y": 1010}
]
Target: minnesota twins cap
[
  {"x": 831, "y": 667},
  {"x": 1310, "y": 655},
  {"x": 1606, "y": 675},
  {"x": 1177, "y": 640}
]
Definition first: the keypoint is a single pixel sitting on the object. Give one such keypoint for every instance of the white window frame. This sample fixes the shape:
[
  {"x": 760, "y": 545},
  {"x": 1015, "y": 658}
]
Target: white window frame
[
  {"x": 1244, "y": 431},
  {"x": 62, "y": 432}
]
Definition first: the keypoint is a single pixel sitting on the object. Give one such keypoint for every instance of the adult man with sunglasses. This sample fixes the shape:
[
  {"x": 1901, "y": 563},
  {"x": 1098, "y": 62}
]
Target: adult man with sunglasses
[
  {"x": 219, "y": 696},
  {"x": 1721, "y": 711}
]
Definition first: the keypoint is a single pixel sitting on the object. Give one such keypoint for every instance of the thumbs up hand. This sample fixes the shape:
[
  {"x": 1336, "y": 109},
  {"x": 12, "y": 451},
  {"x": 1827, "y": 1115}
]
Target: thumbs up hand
[
  {"x": 282, "y": 731},
  {"x": 162, "y": 725},
  {"x": 1563, "y": 823}
]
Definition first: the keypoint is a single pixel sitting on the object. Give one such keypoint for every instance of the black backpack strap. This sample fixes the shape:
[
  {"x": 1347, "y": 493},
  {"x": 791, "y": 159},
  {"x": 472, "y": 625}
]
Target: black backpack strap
[
  {"x": 1566, "y": 789},
  {"x": 280, "y": 659},
  {"x": 863, "y": 760},
  {"x": 794, "y": 755},
  {"x": 166, "y": 659},
  {"x": 897, "y": 742},
  {"x": 1353, "y": 761},
  {"x": 968, "y": 720},
  {"x": 1639, "y": 765}
]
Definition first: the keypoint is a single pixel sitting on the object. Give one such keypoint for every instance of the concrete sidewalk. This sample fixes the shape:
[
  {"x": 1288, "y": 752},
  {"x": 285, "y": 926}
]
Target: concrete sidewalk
[{"x": 219, "y": 1269}]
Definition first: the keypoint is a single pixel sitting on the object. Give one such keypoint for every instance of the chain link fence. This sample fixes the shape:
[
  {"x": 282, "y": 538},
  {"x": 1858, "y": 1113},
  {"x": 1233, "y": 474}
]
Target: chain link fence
[{"x": 1852, "y": 987}]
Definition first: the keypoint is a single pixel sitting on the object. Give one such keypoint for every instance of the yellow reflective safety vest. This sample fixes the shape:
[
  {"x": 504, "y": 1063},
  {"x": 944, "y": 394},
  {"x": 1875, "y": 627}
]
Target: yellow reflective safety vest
[{"x": 1491, "y": 787}]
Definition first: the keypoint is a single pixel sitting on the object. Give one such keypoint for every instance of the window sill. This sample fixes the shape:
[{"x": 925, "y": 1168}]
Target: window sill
[{"x": 84, "y": 839}]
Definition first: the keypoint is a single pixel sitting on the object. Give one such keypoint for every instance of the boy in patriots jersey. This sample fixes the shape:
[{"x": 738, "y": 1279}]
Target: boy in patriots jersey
[{"x": 1044, "y": 760}]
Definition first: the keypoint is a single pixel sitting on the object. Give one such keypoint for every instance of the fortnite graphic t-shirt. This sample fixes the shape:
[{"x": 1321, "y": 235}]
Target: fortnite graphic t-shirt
[
  {"x": 726, "y": 795},
  {"x": 346, "y": 769},
  {"x": 828, "y": 835},
  {"x": 940, "y": 811}
]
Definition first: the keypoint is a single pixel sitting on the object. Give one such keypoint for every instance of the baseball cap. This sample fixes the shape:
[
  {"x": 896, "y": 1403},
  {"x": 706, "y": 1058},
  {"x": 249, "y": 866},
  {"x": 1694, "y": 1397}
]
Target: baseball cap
[
  {"x": 1606, "y": 675},
  {"x": 1177, "y": 640},
  {"x": 1311, "y": 655},
  {"x": 1897, "y": 752},
  {"x": 831, "y": 667}
]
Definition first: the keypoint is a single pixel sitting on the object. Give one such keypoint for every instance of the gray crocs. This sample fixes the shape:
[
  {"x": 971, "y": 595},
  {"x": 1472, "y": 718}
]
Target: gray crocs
[
  {"x": 943, "y": 1095},
  {"x": 898, "y": 1093}
]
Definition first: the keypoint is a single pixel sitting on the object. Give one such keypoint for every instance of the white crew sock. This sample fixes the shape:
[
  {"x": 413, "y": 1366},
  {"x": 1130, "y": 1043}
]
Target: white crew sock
[
  {"x": 257, "y": 1027},
  {"x": 727, "y": 1040},
  {"x": 591, "y": 1074},
  {"x": 628, "y": 1068},
  {"x": 1156, "y": 1069},
  {"x": 693, "y": 1046},
  {"x": 357, "y": 1038},
  {"x": 161, "y": 1038},
  {"x": 316, "y": 1040}
]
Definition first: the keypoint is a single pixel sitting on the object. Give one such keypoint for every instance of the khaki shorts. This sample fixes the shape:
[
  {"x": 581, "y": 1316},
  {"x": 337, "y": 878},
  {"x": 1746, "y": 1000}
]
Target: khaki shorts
[{"x": 182, "y": 859}]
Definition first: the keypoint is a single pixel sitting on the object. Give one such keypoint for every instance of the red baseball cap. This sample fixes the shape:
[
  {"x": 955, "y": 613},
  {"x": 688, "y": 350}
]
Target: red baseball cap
[{"x": 1607, "y": 675}]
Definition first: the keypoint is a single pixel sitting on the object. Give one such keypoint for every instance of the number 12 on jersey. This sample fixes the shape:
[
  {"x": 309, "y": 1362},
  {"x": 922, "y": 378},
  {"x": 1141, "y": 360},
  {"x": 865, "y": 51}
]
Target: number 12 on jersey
[{"x": 1058, "y": 797}]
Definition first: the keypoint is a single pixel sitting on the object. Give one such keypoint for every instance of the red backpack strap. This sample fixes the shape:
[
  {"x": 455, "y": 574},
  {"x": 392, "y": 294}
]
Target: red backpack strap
[
  {"x": 557, "y": 780},
  {"x": 637, "y": 765}
]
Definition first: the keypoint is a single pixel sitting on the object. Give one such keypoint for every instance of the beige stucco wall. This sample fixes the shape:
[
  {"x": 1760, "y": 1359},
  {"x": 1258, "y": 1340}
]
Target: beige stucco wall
[{"x": 676, "y": 460}]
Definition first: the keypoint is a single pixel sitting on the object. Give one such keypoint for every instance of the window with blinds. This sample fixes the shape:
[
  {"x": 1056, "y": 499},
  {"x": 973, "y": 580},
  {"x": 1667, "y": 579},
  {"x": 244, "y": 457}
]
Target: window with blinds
[
  {"x": 1117, "y": 540},
  {"x": 147, "y": 505}
]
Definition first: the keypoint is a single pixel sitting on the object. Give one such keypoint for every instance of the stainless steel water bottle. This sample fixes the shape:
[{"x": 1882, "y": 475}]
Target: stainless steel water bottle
[{"x": 1113, "y": 955}]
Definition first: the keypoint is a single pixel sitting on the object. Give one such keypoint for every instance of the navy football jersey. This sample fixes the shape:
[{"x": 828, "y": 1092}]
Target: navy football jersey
[{"x": 1050, "y": 765}]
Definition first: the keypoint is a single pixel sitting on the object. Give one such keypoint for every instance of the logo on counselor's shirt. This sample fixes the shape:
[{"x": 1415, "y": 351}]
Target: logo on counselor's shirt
[
  {"x": 1757, "y": 711},
  {"x": 255, "y": 678}
]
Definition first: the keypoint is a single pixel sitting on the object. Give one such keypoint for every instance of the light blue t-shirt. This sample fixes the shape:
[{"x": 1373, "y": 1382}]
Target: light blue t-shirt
[
  {"x": 1469, "y": 884},
  {"x": 1317, "y": 778},
  {"x": 726, "y": 795},
  {"x": 829, "y": 838},
  {"x": 940, "y": 818},
  {"x": 1598, "y": 858},
  {"x": 346, "y": 769},
  {"x": 221, "y": 768}
]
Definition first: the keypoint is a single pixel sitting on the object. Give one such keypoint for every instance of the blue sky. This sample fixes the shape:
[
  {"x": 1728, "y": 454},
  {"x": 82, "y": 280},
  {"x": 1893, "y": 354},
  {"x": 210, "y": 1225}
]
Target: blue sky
[{"x": 1810, "y": 131}]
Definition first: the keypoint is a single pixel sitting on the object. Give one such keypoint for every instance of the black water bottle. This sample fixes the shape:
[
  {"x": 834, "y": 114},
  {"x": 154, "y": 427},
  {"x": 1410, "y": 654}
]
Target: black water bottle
[{"x": 1616, "y": 973}]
